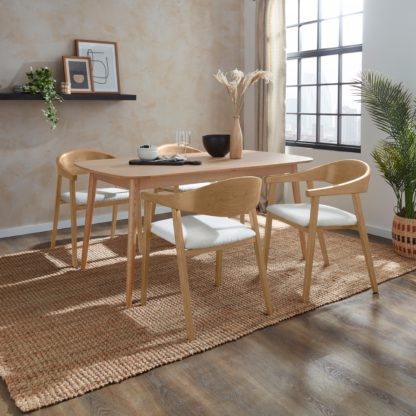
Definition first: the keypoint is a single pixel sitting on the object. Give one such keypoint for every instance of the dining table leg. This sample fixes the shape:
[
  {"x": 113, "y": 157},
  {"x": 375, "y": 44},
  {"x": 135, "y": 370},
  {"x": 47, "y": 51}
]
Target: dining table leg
[
  {"x": 297, "y": 199},
  {"x": 92, "y": 186},
  {"x": 134, "y": 212}
]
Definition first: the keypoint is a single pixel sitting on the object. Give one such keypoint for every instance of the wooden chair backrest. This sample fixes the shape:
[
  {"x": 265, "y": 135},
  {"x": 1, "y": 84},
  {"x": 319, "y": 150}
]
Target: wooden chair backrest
[
  {"x": 347, "y": 176},
  {"x": 345, "y": 171},
  {"x": 352, "y": 174},
  {"x": 65, "y": 162},
  {"x": 172, "y": 148},
  {"x": 227, "y": 198}
]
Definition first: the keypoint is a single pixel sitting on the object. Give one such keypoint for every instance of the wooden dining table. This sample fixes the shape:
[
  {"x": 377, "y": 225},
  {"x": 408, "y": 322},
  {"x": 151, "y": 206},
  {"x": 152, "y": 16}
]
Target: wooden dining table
[{"x": 137, "y": 178}]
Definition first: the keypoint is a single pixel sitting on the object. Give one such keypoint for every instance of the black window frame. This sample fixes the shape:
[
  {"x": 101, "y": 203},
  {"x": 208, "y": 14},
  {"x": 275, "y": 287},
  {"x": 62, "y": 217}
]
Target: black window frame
[{"x": 318, "y": 53}]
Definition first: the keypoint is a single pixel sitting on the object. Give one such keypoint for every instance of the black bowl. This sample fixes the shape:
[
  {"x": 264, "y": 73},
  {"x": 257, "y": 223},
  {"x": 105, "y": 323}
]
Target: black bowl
[{"x": 217, "y": 145}]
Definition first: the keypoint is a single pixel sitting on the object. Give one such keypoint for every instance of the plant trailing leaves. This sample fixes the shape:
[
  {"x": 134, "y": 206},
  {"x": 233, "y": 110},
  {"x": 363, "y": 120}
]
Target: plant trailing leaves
[{"x": 41, "y": 81}]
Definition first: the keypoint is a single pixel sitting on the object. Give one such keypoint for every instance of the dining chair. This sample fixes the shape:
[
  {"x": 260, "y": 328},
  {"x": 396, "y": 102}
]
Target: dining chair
[
  {"x": 208, "y": 229},
  {"x": 77, "y": 200},
  {"x": 346, "y": 177},
  {"x": 171, "y": 149}
]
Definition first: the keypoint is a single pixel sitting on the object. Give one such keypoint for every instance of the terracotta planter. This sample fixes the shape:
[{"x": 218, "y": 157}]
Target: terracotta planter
[
  {"x": 404, "y": 236},
  {"x": 236, "y": 140}
]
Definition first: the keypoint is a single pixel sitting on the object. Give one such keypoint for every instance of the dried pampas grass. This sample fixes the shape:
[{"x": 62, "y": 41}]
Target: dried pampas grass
[{"x": 236, "y": 84}]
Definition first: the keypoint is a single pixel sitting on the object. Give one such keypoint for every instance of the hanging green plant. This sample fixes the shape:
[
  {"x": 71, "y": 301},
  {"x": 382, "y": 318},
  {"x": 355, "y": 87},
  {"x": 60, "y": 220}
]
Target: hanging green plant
[{"x": 41, "y": 82}]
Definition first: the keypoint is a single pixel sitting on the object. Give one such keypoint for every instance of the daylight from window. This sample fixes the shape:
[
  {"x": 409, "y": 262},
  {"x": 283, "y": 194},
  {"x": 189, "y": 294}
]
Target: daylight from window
[{"x": 324, "y": 48}]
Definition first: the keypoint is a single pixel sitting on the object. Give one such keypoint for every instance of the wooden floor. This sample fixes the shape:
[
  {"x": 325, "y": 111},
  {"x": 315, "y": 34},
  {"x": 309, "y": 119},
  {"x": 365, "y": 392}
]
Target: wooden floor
[{"x": 356, "y": 357}]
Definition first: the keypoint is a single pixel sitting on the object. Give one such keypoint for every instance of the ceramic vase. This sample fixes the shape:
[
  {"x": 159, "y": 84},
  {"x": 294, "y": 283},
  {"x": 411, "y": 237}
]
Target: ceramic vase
[{"x": 236, "y": 140}]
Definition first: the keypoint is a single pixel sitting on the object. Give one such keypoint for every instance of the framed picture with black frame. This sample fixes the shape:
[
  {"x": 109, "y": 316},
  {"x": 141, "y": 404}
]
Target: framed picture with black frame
[
  {"x": 77, "y": 72},
  {"x": 104, "y": 64}
]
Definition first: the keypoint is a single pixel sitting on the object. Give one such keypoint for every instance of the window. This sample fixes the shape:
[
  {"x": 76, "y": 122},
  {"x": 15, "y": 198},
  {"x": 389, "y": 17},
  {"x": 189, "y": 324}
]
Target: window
[{"x": 324, "y": 48}]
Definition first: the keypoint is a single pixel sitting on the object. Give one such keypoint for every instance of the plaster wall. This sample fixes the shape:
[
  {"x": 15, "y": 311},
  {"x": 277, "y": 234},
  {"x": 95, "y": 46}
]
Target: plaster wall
[{"x": 168, "y": 51}]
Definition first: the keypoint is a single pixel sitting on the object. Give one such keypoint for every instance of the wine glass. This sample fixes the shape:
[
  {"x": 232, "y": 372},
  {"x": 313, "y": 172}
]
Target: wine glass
[{"x": 183, "y": 139}]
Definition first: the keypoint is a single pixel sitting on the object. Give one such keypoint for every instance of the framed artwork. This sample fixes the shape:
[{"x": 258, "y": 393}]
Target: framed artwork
[
  {"x": 77, "y": 73},
  {"x": 104, "y": 64}
]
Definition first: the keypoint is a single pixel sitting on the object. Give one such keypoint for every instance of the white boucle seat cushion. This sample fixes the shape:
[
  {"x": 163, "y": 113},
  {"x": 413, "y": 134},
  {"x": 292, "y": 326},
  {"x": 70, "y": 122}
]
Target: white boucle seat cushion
[
  {"x": 102, "y": 194},
  {"x": 201, "y": 231},
  {"x": 300, "y": 213},
  {"x": 192, "y": 186}
]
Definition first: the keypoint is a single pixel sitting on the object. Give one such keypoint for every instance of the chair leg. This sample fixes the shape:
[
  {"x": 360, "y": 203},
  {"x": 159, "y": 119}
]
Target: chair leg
[
  {"x": 242, "y": 218},
  {"x": 56, "y": 211},
  {"x": 155, "y": 191},
  {"x": 186, "y": 294},
  {"x": 153, "y": 212},
  {"x": 297, "y": 199},
  {"x": 74, "y": 234},
  {"x": 183, "y": 274},
  {"x": 310, "y": 248},
  {"x": 114, "y": 221},
  {"x": 218, "y": 267},
  {"x": 364, "y": 241},
  {"x": 267, "y": 237},
  {"x": 261, "y": 264},
  {"x": 322, "y": 244},
  {"x": 148, "y": 210}
]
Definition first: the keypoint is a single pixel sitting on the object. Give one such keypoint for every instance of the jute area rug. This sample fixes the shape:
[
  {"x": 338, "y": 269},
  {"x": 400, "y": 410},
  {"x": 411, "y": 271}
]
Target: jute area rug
[{"x": 64, "y": 332}]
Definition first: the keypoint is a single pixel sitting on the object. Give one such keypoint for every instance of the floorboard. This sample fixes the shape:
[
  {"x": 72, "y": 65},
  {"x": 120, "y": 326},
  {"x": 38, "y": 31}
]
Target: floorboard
[{"x": 354, "y": 357}]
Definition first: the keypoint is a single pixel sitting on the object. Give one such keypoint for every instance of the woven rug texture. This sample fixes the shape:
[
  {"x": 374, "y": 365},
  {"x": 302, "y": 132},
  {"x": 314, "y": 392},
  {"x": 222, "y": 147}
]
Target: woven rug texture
[{"x": 65, "y": 332}]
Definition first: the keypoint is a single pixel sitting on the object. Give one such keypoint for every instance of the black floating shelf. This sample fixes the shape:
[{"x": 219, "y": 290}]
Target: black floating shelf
[{"x": 70, "y": 97}]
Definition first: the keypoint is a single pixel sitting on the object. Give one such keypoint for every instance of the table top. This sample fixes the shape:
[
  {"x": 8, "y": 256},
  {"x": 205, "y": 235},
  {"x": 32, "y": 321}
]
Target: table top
[{"x": 120, "y": 168}]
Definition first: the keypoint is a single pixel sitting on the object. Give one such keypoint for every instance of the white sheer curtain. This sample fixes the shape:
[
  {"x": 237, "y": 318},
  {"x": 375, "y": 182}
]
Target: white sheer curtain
[{"x": 271, "y": 56}]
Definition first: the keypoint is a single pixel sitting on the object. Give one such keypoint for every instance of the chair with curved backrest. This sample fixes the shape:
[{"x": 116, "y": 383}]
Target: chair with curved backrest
[
  {"x": 346, "y": 177},
  {"x": 78, "y": 199},
  {"x": 172, "y": 149},
  {"x": 209, "y": 230}
]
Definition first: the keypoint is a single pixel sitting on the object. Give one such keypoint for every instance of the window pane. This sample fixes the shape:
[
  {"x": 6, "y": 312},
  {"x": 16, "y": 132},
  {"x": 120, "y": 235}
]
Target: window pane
[
  {"x": 308, "y": 71},
  {"x": 329, "y": 8},
  {"x": 352, "y": 30},
  {"x": 291, "y": 99},
  {"x": 291, "y": 127},
  {"x": 308, "y": 100},
  {"x": 291, "y": 8},
  {"x": 292, "y": 39},
  {"x": 352, "y": 6},
  {"x": 329, "y": 69},
  {"x": 308, "y": 10},
  {"x": 328, "y": 129},
  {"x": 350, "y": 101},
  {"x": 351, "y": 66},
  {"x": 308, "y": 128},
  {"x": 308, "y": 37},
  {"x": 292, "y": 72},
  {"x": 329, "y": 99},
  {"x": 351, "y": 130},
  {"x": 330, "y": 33}
]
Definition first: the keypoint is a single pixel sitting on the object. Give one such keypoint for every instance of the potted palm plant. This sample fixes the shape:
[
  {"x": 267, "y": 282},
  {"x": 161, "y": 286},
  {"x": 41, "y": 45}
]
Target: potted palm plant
[{"x": 392, "y": 108}]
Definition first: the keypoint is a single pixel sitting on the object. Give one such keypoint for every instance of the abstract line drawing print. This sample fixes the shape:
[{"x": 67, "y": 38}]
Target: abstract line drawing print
[
  {"x": 104, "y": 64},
  {"x": 100, "y": 67}
]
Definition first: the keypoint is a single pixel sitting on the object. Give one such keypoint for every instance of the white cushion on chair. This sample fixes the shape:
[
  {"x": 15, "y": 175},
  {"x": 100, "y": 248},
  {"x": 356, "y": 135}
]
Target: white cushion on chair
[
  {"x": 192, "y": 186},
  {"x": 102, "y": 194},
  {"x": 300, "y": 213},
  {"x": 201, "y": 231}
]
